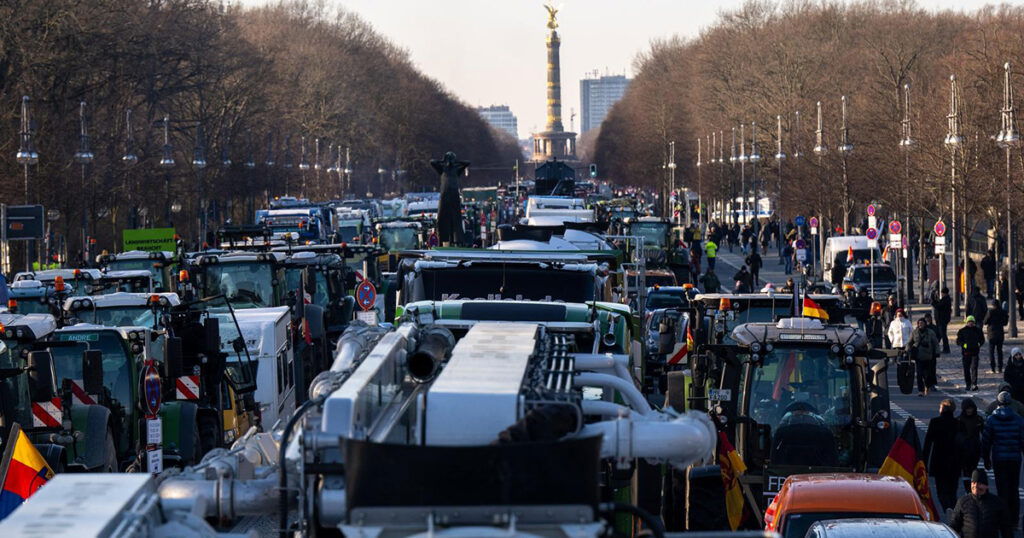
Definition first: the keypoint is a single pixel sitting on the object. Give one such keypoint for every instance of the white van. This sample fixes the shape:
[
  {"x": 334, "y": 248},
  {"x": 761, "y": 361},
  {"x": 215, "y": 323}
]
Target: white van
[{"x": 837, "y": 250}]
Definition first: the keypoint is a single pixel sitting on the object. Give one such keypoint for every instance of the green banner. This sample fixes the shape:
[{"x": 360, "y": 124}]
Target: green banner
[{"x": 149, "y": 239}]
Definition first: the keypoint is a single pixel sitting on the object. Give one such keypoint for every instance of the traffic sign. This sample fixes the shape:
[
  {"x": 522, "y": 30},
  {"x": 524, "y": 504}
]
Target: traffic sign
[
  {"x": 871, "y": 210},
  {"x": 151, "y": 391},
  {"x": 895, "y": 227},
  {"x": 872, "y": 234},
  {"x": 25, "y": 222},
  {"x": 801, "y": 255},
  {"x": 940, "y": 228},
  {"x": 814, "y": 222},
  {"x": 940, "y": 240},
  {"x": 801, "y": 244},
  {"x": 940, "y": 249},
  {"x": 366, "y": 294},
  {"x": 895, "y": 241},
  {"x": 800, "y": 220},
  {"x": 433, "y": 240}
]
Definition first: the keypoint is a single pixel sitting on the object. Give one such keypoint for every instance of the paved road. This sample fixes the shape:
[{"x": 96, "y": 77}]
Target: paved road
[{"x": 949, "y": 368}]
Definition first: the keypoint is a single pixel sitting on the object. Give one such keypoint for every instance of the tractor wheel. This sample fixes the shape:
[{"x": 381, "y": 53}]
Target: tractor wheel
[
  {"x": 705, "y": 499},
  {"x": 110, "y": 450},
  {"x": 208, "y": 434}
]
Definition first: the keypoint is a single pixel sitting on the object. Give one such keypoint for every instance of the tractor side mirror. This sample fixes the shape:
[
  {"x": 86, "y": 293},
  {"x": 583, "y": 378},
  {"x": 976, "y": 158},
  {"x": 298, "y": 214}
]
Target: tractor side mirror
[
  {"x": 42, "y": 378},
  {"x": 173, "y": 358},
  {"x": 92, "y": 371}
]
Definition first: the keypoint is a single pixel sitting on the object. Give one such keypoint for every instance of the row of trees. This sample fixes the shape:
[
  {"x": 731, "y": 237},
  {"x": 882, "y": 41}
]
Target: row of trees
[
  {"x": 293, "y": 84},
  {"x": 769, "y": 59}
]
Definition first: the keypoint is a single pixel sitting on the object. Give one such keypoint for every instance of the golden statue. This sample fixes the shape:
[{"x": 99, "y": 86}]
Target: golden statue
[{"x": 552, "y": 14}]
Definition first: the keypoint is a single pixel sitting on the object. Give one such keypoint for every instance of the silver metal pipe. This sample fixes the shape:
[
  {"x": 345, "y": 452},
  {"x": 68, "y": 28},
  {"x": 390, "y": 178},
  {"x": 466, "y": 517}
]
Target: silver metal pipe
[{"x": 628, "y": 390}]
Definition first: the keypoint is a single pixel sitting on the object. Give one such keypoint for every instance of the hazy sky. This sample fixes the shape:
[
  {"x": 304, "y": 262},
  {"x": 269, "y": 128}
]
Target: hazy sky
[{"x": 493, "y": 52}]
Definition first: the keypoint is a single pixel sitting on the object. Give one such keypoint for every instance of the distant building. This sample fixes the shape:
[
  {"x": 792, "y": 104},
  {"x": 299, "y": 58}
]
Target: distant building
[
  {"x": 597, "y": 95},
  {"x": 501, "y": 118}
]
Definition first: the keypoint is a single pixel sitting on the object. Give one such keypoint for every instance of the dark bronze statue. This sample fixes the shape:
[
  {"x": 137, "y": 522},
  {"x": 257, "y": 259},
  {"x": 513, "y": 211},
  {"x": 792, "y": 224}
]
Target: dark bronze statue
[{"x": 449, "y": 208}]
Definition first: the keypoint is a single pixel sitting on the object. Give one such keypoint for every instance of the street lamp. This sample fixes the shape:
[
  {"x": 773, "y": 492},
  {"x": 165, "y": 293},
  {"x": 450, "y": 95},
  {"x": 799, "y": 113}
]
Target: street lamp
[
  {"x": 780, "y": 156},
  {"x": 820, "y": 149},
  {"x": 700, "y": 215},
  {"x": 755, "y": 157},
  {"x": 953, "y": 142},
  {"x": 199, "y": 163},
  {"x": 906, "y": 144},
  {"x": 166, "y": 164},
  {"x": 84, "y": 157},
  {"x": 672, "y": 181},
  {"x": 742, "y": 159},
  {"x": 1009, "y": 139}
]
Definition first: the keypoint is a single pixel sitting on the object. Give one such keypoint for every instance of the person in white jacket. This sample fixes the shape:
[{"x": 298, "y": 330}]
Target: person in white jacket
[{"x": 900, "y": 330}]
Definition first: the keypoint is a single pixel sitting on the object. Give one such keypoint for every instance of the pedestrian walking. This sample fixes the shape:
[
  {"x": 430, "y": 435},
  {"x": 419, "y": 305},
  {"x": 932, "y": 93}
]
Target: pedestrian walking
[
  {"x": 924, "y": 350},
  {"x": 694, "y": 265},
  {"x": 1002, "y": 444},
  {"x": 787, "y": 257},
  {"x": 988, "y": 272},
  {"x": 711, "y": 252},
  {"x": 1014, "y": 374},
  {"x": 837, "y": 273},
  {"x": 710, "y": 281},
  {"x": 899, "y": 331},
  {"x": 942, "y": 308},
  {"x": 940, "y": 453},
  {"x": 743, "y": 280},
  {"x": 875, "y": 326},
  {"x": 977, "y": 305},
  {"x": 1017, "y": 406},
  {"x": 861, "y": 305},
  {"x": 995, "y": 320},
  {"x": 754, "y": 262},
  {"x": 968, "y": 439},
  {"x": 979, "y": 513},
  {"x": 970, "y": 339}
]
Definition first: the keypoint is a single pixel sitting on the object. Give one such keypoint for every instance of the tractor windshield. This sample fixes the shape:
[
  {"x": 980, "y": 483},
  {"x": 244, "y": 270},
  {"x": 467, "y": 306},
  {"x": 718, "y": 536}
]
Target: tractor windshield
[
  {"x": 245, "y": 284},
  {"x": 120, "y": 316},
  {"x": 393, "y": 239},
  {"x": 804, "y": 396},
  {"x": 654, "y": 233},
  {"x": 117, "y": 370},
  {"x": 153, "y": 266},
  {"x": 293, "y": 280}
]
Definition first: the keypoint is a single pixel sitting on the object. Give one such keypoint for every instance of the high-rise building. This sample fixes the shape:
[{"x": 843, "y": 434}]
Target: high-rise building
[
  {"x": 501, "y": 118},
  {"x": 597, "y": 95}
]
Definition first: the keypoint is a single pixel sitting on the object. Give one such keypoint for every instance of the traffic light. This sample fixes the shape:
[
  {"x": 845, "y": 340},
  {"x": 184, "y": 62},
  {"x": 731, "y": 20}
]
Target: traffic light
[{"x": 593, "y": 170}]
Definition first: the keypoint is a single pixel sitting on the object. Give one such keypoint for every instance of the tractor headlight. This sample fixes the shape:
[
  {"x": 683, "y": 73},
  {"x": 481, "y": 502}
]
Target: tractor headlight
[
  {"x": 835, "y": 349},
  {"x": 848, "y": 349},
  {"x": 755, "y": 347}
]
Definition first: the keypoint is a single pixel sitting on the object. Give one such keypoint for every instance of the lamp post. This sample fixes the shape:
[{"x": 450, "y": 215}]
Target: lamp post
[
  {"x": 84, "y": 157},
  {"x": 129, "y": 159},
  {"x": 845, "y": 148},
  {"x": 166, "y": 164},
  {"x": 287, "y": 164},
  {"x": 953, "y": 142},
  {"x": 672, "y": 181},
  {"x": 733, "y": 159},
  {"x": 754, "y": 158},
  {"x": 199, "y": 163},
  {"x": 820, "y": 149},
  {"x": 700, "y": 214},
  {"x": 742, "y": 158},
  {"x": 721, "y": 165},
  {"x": 780, "y": 156},
  {"x": 1009, "y": 139},
  {"x": 906, "y": 144},
  {"x": 348, "y": 170}
]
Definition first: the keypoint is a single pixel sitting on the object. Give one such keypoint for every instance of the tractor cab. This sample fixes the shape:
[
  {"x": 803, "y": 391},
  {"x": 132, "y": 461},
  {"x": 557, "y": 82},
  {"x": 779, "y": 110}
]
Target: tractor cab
[
  {"x": 34, "y": 297},
  {"x": 120, "y": 309},
  {"x": 245, "y": 279},
  {"x": 80, "y": 281},
  {"x": 160, "y": 264},
  {"x": 127, "y": 281}
]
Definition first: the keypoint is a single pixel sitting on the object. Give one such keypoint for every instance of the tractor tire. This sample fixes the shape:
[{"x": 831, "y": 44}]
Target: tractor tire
[
  {"x": 209, "y": 435},
  {"x": 110, "y": 458},
  {"x": 705, "y": 499}
]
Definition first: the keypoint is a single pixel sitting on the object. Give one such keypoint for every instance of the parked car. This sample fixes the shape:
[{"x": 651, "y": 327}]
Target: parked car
[{"x": 805, "y": 499}]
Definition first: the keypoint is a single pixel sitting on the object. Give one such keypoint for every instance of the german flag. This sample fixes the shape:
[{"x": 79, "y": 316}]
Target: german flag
[
  {"x": 683, "y": 350},
  {"x": 23, "y": 471},
  {"x": 814, "y": 310},
  {"x": 732, "y": 469},
  {"x": 904, "y": 460}
]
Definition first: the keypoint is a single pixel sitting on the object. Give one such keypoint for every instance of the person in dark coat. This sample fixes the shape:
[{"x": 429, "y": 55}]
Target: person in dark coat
[
  {"x": 977, "y": 305},
  {"x": 942, "y": 308},
  {"x": 744, "y": 280},
  {"x": 995, "y": 320},
  {"x": 755, "y": 262},
  {"x": 970, "y": 339},
  {"x": 969, "y": 438},
  {"x": 940, "y": 454},
  {"x": 980, "y": 514},
  {"x": 988, "y": 272},
  {"x": 1014, "y": 374},
  {"x": 837, "y": 273},
  {"x": 710, "y": 282},
  {"x": 875, "y": 326},
  {"x": 861, "y": 304},
  {"x": 924, "y": 349},
  {"x": 1002, "y": 444}
]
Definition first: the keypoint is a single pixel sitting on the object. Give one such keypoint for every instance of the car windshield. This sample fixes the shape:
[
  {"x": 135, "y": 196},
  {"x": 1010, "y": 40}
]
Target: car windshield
[
  {"x": 665, "y": 299},
  {"x": 862, "y": 275},
  {"x": 293, "y": 280},
  {"x": 652, "y": 232},
  {"x": 245, "y": 284},
  {"x": 398, "y": 238},
  {"x": 797, "y": 525},
  {"x": 349, "y": 234},
  {"x": 804, "y": 396},
  {"x": 15, "y": 389},
  {"x": 120, "y": 316},
  {"x": 117, "y": 371},
  {"x": 492, "y": 282},
  {"x": 860, "y": 255},
  {"x": 139, "y": 265},
  {"x": 658, "y": 315}
]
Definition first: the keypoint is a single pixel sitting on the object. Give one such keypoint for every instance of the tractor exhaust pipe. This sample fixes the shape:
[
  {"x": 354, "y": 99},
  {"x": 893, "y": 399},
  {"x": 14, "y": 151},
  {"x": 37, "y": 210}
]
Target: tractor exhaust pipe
[{"x": 435, "y": 344}]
